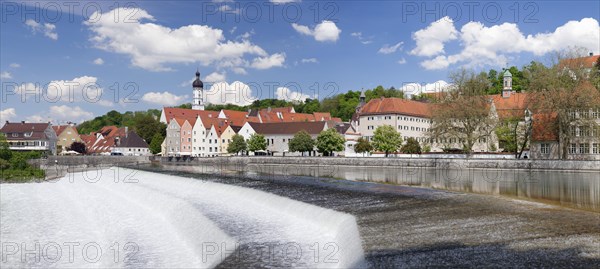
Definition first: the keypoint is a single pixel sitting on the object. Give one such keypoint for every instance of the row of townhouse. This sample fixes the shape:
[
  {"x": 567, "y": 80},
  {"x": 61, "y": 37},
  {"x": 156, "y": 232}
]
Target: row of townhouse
[
  {"x": 200, "y": 133},
  {"x": 114, "y": 140},
  {"x": 57, "y": 139}
]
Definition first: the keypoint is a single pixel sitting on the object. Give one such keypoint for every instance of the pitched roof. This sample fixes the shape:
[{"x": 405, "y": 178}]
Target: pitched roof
[
  {"x": 288, "y": 128},
  {"x": 513, "y": 106},
  {"x": 184, "y": 113},
  {"x": 239, "y": 118},
  {"x": 25, "y": 130},
  {"x": 586, "y": 62},
  {"x": 396, "y": 106},
  {"x": 544, "y": 127},
  {"x": 322, "y": 116},
  {"x": 132, "y": 140}
]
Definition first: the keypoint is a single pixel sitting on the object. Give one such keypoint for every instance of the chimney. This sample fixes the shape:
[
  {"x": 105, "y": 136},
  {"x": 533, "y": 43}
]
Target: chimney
[
  {"x": 126, "y": 131},
  {"x": 268, "y": 109}
]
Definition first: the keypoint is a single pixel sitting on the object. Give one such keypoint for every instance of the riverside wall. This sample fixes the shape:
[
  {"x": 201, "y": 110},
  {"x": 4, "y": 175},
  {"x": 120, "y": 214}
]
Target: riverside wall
[{"x": 574, "y": 184}]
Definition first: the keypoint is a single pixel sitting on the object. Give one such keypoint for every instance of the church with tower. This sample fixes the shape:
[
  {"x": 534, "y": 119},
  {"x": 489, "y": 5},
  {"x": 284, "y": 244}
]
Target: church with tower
[{"x": 198, "y": 89}]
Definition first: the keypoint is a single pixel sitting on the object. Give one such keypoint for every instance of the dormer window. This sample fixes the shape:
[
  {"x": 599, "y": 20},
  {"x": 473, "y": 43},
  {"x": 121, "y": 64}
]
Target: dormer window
[
  {"x": 28, "y": 134},
  {"x": 15, "y": 135}
]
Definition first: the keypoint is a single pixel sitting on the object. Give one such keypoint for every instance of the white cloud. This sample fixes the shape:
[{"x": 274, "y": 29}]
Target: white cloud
[
  {"x": 5, "y": 75},
  {"x": 494, "y": 45},
  {"x": 98, "y": 61},
  {"x": 402, "y": 61},
  {"x": 48, "y": 29},
  {"x": 236, "y": 93},
  {"x": 309, "y": 60},
  {"x": 430, "y": 41},
  {"x": 228, "y": 9},
  {"x": 60, "y": 114},
  {"x": 239, "y": 70},
  {"x": 275, "y": 60},
  {"x": 83, "y": 88},
  {"x": 303, "y": 29},
  {"x": 215, "y": 77},
  {"x": 152, "y": 46},
  {"x": 7, "y": 115},
  {"x": 68, "y": 113},
  {"x": 284, "y": 93},
  {"x": 325, "y": 31},
  {"x": 412, "y": 88},
  {"x": 387, "y": 49},
  {"x": 164, "y": 98},
  {"x": 362, "y": 39},
  {"x": 15, "y": 65}
]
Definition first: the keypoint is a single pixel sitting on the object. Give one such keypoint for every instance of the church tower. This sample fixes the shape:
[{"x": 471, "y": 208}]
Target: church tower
[
  {"x": 198, "y": 86},
  {"x": 507, "y": 89}
]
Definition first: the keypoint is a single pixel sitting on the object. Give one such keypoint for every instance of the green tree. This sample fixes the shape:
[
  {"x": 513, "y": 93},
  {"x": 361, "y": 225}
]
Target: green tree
[
  {"x": 257, "y": 142},
  {"x": 5, "y": 152},
  {"x": 78, "y": 147},
  {"x": 330, "y": 141},
  {"x": 302, "y": 142},
  {"x": 146, "y": 126},
  {"x": 237, "y": 144},
  {"x": 411, "y": 146},
  {"x": 19, "y": 161},
  {"x": 156, "y": 144},
  {"x": 363, "y": 146},
  {"x": 386, "y": 139}
]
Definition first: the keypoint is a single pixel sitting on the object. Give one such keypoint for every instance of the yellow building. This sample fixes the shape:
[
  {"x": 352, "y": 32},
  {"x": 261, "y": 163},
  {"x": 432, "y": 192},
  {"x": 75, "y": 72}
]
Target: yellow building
[{"x": 67, "y": 134}]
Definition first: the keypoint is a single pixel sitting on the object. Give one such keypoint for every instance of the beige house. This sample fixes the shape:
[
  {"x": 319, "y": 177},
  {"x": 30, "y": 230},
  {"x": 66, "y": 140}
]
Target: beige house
[
  {"x": 278, "y": 135},
  {"x": 67, "y": 134}
]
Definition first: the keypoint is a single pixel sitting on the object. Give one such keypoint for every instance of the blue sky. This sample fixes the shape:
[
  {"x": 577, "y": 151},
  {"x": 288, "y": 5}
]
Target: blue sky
[{"x": 150, "y": 52}]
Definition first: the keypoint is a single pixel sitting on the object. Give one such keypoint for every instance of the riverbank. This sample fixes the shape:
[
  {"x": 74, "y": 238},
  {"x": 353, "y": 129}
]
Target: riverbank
[
  {"x": 409, "y": 227},
  {"x": 457, "y": 163},
  {"x": 574, "y": 184}
]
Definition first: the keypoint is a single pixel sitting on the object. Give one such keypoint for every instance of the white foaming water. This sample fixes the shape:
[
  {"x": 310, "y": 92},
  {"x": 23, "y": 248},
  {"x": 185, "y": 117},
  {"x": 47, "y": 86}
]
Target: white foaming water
[{"x": 167, "y": 221}]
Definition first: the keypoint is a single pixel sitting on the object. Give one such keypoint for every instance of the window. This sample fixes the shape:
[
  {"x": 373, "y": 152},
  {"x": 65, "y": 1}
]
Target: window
[
  {"x": 405, "y": 127},
  {"x": 595, "y": 148},
  {"x": 584, "y": 131},
  {"x": 573, "y": 130},
  {"x": 573, "y": 148},
  {"x": 223, "y": 140},
  {"x": 596, "y": 113},
  {"x": 15, "y": 135},
  {"x": 584, "y": 148},
  {"x": 387, "y": 117},
  {"x": 370, "y": 127},
  {"x": 545, "y": 148}
]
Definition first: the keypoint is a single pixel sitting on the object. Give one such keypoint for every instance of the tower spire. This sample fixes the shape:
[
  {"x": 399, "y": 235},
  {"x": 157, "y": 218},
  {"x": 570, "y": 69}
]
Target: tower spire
[{"x": 198, "y": 88}]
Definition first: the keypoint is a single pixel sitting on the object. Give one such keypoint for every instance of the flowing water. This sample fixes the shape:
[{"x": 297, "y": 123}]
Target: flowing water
[
  {"x": 183, "y": 216},
  {"x": 127, "y": 218}
]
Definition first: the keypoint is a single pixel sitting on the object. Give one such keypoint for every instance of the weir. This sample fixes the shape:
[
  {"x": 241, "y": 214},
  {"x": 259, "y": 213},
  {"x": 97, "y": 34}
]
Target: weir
[{"x": 144, "y": 219}]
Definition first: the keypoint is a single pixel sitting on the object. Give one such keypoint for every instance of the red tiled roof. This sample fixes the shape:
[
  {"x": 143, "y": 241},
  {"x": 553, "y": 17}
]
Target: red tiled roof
[
  {"x": 171, "y": 112},
  {"x": 18, "y": 130},
  {"x": 544, "y": 127},
  {"x": 396, "y": 106},
  {"x": 239, "y": 118},
  {"x": 586, "y": 62},
  {"x": 322, "y": 116},
  {"x": 513, "y": 106}
]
